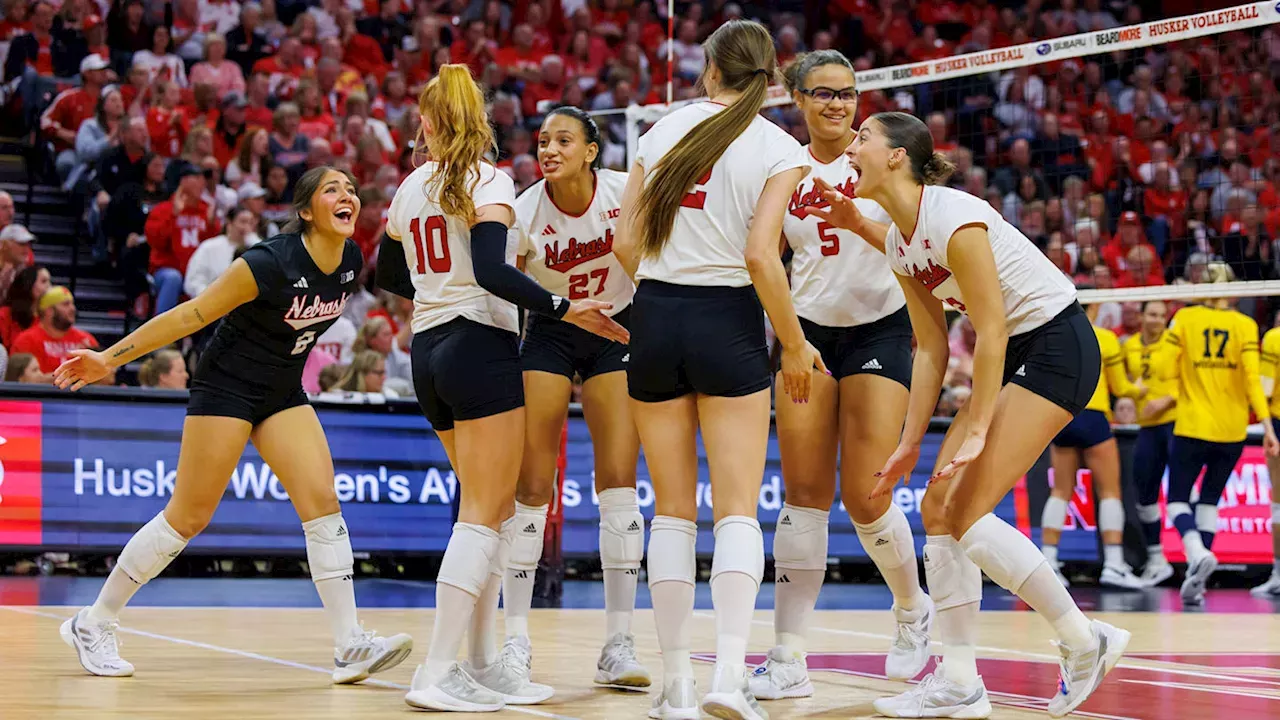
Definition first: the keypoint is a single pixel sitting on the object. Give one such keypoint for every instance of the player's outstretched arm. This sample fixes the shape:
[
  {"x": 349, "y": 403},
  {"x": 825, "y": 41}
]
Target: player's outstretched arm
[
  {"x": 232, "y": 289},
  {"x": 392, "y": 273}
]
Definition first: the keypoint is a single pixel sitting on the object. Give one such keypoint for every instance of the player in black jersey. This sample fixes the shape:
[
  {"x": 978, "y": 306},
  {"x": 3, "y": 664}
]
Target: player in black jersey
[{"x": 278, "y": 297}]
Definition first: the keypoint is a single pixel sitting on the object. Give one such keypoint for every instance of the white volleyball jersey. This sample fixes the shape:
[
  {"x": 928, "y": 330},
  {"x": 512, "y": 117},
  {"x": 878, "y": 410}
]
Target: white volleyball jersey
[
  {"x": 338, "y": 339},
  {"x": 572, "y": 255},
  {"x": 837, "y": 278},
  {"x": 1034, "y": 290},
  {"x": 709, "y": 237},
  {"x": 438, "y": 250}
]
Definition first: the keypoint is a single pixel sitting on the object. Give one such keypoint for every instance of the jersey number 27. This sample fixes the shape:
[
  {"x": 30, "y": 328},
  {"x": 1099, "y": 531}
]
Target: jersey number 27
[{"x": 427, "y": 234}]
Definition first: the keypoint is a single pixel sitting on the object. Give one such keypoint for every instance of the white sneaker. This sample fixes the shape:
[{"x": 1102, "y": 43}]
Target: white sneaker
[
  {"x": 96, "y": 645},
  {"x": 1121, "y": 577},
  {"x": 730, "y": 697},
  {"x": 677, "y": 701},
  {"x": 1198, "y": 572},
  {"x": 1057, "y": 570},
  {"x": 1268, "y": 589},
  {"x": 365, "y": 654},
  {"x": 1156, "y": 572},
  {"x": 937, "y": 697},
  {"x": 618, "y": 665},
  {"x": 1082, "y": 670},
  {"x": 910, "y": 651},
  {"x": 455, "y": 691},
  {"x": 782, "y": 675},
  {"x": 508, "y": 675}
]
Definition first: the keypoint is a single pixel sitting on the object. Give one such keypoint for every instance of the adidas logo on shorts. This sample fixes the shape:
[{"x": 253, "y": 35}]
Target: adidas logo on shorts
[
  {"x": 626, "y": 358},
  {"x": 782, "y": 579},
  {"x": 634, "y": 526},
  {"x": 342, "y": 530},
  {"x": 531, "y": 529},
  {"x": 302, "y": 283},
  {"x": 786, "y": 520},
  {"x": 1022, "y": 371},
  {"x": 522, "y": 574},
  {"x": 872, "y": 364},
  {"x": 881, "y": 541}
]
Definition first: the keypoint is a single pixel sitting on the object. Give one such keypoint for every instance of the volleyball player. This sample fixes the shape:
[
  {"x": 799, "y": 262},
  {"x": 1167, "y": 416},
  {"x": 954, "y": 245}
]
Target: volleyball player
[
  {"x": 450, "y": 218},
  {"x": 701, "y": 217},
  {"x": 1146, "y": 358},
  {"x": 278, "y": 297},
  {"x": 1034, "y": 340},
  {"x": 1214, "y": 357},
  {"x": 1269, "y": 367},
  {"x": 1088, "y": 437},
  {"x": 566, "y": 226},
  {"x": 853, "y": 311}
]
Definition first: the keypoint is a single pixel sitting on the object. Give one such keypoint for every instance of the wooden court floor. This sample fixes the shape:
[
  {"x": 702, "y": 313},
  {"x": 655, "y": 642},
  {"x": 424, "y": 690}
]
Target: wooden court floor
[{"x": 244, "y": 664}]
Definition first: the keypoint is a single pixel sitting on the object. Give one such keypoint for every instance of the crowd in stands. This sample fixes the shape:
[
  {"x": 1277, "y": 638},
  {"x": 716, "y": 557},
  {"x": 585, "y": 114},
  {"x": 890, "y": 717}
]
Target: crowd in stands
[{"x": 182, "y": 126}]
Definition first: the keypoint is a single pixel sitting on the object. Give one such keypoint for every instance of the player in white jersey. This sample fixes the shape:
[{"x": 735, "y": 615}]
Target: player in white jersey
[
  {"x": 853, "y": 312},
  {"x": 565, "y": 226},
  {"x": 450, "y": 218},
  {"x": 701, "y": 217},
  {"x": 1035, "y": 341}
]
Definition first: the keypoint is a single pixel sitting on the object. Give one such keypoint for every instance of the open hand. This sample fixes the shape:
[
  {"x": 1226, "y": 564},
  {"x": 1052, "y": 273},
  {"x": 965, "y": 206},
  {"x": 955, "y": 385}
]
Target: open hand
[
  {"x": 590, "y": 316},
  {"x": 84, "y": 367},
  {"x": 899, "y": 465},
  {"x": 840, "y": 211},
  {"x": 969, "y": 451}
]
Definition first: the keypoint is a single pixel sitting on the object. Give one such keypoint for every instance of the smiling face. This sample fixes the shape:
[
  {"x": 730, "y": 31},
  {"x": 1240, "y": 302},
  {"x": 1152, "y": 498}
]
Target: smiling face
[
  {"x": 563, "y": 150},
  {"x": 873, "y": 158},
  {"x": 334, "y": 206},
  {"x": 830, "y": 103}
]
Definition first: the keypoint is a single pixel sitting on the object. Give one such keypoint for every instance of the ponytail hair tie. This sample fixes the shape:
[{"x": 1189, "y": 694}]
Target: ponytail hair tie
[{"x": 762, "y": 71}]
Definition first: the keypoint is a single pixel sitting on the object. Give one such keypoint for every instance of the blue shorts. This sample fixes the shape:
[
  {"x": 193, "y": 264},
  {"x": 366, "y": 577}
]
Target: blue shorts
[{"x": 1085, "y": 430}]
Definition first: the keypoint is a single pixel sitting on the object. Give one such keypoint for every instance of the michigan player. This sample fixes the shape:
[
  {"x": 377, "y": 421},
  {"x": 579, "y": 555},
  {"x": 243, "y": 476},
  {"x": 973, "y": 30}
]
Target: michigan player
[
  {"x": 853, "y": 311},
  {"x": 565, "y": 226},
  {"x": 1270, "y": 371},
  {"x": 1146, "y": 358},
  {"x": 1214, "y": 357},
  {"x": 450, "y": 219},
  {"x": 1035, "y": 341},
  {"x": 277, "y": 298},
  {"x": 1088, "y": 437},
  {"x": 701, "y": 217}
]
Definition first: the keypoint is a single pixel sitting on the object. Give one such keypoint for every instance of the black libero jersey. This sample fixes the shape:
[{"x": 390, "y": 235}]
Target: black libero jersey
[{"x": 266, "y": 341}]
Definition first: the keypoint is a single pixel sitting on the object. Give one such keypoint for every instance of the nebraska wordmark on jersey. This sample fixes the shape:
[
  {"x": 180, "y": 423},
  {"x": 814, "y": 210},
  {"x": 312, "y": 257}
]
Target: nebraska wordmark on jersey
[
  {"x": 837, "y": 278},
  {"x": 1034, "y": 290},
  {"x": 708, "y": 240},
  {"x": 572, "y": 255},
  {"x": 437, "y": 248}
]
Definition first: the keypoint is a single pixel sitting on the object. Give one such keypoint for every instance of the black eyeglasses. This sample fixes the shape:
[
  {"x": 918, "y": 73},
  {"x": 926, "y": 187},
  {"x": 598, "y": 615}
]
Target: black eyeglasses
[{"x": 825, "y": 94}]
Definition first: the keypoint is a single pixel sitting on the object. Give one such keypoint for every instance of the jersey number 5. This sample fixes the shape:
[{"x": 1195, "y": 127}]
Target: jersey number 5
[
  {"x": 426, "y": 234},
  {"x": 698, "y": 198},
  {"x": 830, "y": 240},
  {"x": 578, "y": 289}
]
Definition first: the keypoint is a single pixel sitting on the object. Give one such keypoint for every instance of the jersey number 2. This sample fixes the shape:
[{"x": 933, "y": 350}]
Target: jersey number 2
[
  {"x": 578, "y": 283},
  {"x": 698, "y": 198},
  {"x": 1222, "y": 336},
  {"x": 426, "y": 235}
]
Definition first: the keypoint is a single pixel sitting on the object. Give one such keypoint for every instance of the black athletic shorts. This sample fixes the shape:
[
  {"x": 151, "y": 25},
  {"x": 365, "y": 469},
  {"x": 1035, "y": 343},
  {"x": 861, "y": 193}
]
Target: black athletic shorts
[
  {"x": 557, "y": 347},
  {"x": 1085, "y": 430},
  {"x": 465, "y": 370},
  {"x": 691, "y": 338},
  {"x": 879, "y": 348},
  {"x": 217, "y": 393},
  {"x": 1059, "y": 361}
]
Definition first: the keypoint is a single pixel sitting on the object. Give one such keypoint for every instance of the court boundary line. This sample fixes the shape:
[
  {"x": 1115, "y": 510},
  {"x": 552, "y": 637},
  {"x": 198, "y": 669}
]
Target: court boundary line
[{"x": 265, "y": 658}]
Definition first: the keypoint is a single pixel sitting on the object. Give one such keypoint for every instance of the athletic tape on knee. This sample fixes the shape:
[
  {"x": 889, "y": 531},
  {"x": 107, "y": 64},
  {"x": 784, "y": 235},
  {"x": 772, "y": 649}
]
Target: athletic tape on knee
[
  {"x": 1149, "y": 513},
  {"x": 953, "y": 578},
  {"x": 739, "y": 548},
  {"x": 526, "y": 537},
  {"x": 328, "y": 547},
  {"x": 1110, "y": 515},
  {"x": 1055, "y": 513},
  {"x": 672, "y": 545},
  {"x": 151, "y": 549},
  {"x": 887, "y": 541},
  {"x": 621, "y": 530},
  {"x": 1178, "y": 508},
  {"x": 1007, "y": 556},
  {"x": 800, "y": 538},
  {"x": 1207, "y": 518},
  {"x": 471, "y": 550}
]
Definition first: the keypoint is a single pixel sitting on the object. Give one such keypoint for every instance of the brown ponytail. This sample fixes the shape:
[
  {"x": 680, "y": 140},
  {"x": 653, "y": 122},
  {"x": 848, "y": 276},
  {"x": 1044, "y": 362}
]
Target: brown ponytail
[
  {"x": 938, "y": 169},
  {"x": 459, "y": 139},
  {"x": 743, "y": 52}
]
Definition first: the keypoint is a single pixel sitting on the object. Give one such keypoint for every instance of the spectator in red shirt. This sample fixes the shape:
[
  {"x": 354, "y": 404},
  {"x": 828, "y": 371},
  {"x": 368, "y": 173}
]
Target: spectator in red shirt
[
  {"x": 167, "y": 122},
  {"x": 55, "y": 336},
  {"x": 174, "y": 230},
  {"x": 359, "y": 50},
  {"x": 15, "y": 243},
  {"x": 937, "y": 123},
  {"x": 256, "y": 113},
  {"x": 521, "y": 59},
  {"x": 549, "y": 88},
  {"x": 22, "y": 303},
  {"x": 1129, "y": 235},
  {"x": 60, "y": 122},
  {"x": 1166, "y": 206}
]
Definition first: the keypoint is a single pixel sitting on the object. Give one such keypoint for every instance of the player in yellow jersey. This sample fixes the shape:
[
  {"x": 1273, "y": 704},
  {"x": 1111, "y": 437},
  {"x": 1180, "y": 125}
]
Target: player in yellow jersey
[
  {"x": 1215, "y": 359},
  {"x": 1270, "y": 372},
  {"x": 1088, "y": 437},
  {"x": 1146, "y": 358}
]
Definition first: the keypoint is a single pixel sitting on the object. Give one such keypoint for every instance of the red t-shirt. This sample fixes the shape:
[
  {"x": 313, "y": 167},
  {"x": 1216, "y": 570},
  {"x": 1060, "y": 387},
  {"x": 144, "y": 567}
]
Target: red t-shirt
[
  {"x": 69, "y": 109},
  {"x": 513, "y": 59},
  {"x": 316, "y": 127},
  {"x": 51, "y": 351},
  {"x": 174, "y": 240},
  {"x": 167, "y": 136},
  {"x": 257, "y": 117}
]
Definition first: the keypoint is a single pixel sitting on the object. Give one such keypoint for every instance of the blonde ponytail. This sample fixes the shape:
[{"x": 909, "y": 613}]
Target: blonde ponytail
[{"x": 460, "y": 137}]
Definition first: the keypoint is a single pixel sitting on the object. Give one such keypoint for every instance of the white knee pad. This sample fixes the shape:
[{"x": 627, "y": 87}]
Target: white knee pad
[
  {"x": 1007, "y": 556},
  {"x": 739, "y": 548},
  {"x": 150, "y": 550},
  {"x": 1054, "y": 515},
  {"x": 1149, "y": 513},
  {"x": 1207, "y": 518},
  {"x": 887, "y": 541},
  {"x": 526, "y": 537},
  {"x": 1110, "y": 515},
  {"x": 471, "y": 551},
  {"x": 800, "y": 538},
  {"x": 506, "y": 536},
  {"x": 328, "y": 547},
  {"x": 621, "y": 530},
  {"x": 953, "y": 578},
  {"x": 672, "y": 550},
  {"x": 1176, "y": 508}
]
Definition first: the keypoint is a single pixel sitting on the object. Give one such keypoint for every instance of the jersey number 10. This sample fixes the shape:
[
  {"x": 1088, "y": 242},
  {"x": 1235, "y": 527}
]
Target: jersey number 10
[{"x": 426, "y": 234}]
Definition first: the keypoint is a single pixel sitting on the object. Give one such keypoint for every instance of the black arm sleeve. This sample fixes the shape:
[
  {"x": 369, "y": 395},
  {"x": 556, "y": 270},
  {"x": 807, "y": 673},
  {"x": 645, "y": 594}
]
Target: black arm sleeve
[
  {"x": 392, "y": 273},
  {"x": 488, "y": 258}
]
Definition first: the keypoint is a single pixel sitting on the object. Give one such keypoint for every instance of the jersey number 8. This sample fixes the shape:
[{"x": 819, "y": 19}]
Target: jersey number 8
[
  {"x": 425, "y": 236},
  {"x": 303, "y": 342}
]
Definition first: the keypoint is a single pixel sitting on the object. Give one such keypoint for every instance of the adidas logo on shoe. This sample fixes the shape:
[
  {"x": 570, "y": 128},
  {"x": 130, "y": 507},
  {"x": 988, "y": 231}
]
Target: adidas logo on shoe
[
  {"x": 531, "y": 528},
  {"x": 633, "y": 526},
  {"x": 872, "y": 364},
  {"x": 881, "y": 541}
]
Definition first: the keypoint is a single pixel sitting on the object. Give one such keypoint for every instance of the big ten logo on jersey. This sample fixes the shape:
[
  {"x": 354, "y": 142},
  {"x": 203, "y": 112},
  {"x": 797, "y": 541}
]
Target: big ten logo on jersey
[
  {"x": 1082, "y": 513},
  {"x": 20, "y": 473},
  {"x": 574, "y": 253},
  {"x": 607, "y": 215}
]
